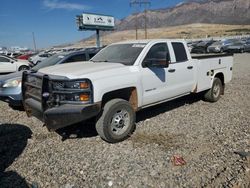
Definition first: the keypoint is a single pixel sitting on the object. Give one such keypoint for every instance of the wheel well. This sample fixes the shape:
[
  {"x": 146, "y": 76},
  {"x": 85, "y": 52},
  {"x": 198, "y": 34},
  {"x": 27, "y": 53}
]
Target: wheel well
[
  {"x": 23, "y": 66},
  {"x": 128, "y": 94},
  {"x": 221, "y": 77}
]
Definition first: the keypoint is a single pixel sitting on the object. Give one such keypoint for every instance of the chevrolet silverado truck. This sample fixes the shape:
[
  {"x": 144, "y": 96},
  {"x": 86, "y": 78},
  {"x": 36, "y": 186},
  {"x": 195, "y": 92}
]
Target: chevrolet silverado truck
[{"x": 120, "y": 80}]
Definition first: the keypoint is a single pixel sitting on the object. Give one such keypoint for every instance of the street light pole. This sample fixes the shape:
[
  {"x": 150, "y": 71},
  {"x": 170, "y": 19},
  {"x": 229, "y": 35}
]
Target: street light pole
[{"x": 34, "y": 41}]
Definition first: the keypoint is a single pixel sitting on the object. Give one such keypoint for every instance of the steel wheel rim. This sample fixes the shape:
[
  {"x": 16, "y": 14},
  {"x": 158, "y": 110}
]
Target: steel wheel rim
[
  {"x": 120, "y": 122},
  {"x": 216, "y": 90}
]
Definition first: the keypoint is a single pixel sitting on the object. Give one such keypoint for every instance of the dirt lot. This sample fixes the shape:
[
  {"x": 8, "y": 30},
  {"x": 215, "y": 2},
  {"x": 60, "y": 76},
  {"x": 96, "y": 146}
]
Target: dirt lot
[{"x": 206, "y": 135}]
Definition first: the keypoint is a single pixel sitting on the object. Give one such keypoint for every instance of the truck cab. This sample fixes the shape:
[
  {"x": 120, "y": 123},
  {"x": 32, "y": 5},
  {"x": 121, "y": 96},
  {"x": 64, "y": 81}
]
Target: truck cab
[{"x": 120, "y": 80}]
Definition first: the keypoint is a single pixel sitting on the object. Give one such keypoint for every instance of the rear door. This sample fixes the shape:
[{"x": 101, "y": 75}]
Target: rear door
[
  {"x": 7, "y": 65},
  {"x": 180, "y": 74}
]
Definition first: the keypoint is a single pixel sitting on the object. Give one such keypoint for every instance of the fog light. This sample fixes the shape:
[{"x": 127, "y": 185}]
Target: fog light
[{"x": 84, "y": 97}]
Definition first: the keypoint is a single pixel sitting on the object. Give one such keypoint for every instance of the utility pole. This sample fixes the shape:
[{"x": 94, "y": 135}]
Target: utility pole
[
  {"x": 34, "y": 41},
  {"x": 140, "y": 3}
]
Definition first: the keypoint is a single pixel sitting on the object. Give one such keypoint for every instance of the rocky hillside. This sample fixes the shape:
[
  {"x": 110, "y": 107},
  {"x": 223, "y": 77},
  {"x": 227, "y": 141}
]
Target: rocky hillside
[{"x": 206, "y": 11}]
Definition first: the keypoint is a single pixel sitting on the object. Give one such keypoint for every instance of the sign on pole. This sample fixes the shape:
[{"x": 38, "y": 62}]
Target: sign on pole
[{"x": 89, "y": 21}]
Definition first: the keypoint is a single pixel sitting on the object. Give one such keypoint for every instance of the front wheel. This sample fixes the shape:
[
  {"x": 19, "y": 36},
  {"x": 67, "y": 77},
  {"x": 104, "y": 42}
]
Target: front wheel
[
  {"x": 213, "y": 95},
  {"x": 117, "y": 121}
]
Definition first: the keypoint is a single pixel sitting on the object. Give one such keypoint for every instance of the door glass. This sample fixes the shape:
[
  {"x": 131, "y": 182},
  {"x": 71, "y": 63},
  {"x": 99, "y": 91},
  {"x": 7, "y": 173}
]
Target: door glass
[
  {"x": 157, "y": 54},
  {"x": 3, "y": 59}
]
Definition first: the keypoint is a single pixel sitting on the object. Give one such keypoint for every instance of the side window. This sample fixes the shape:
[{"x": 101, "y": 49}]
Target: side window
[
  {"x": 75, "y": 58},
  {"x": 157, "y": 53},
  {"x": 3, "y": 59},
  {"x": 91, "y": 55},
  {"x": 180, "y": 52}
]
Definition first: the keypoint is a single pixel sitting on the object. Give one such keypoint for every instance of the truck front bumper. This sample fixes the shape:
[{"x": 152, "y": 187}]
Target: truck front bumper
[{"x": 61, "y": 116}]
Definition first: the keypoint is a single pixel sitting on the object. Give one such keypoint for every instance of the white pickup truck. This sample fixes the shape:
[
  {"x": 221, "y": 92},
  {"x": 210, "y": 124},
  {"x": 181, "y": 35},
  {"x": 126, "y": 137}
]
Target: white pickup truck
[{"x": 120, "y": 80}]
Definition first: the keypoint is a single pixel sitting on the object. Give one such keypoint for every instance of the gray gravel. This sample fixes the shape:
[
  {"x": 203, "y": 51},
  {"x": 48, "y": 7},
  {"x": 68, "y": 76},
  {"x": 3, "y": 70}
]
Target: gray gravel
[{"x": 206, "y": 135}]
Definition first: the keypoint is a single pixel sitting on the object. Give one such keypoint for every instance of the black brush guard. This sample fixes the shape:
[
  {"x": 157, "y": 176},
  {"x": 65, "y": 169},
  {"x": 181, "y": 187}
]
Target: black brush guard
[{"x": 39, "y": 102}]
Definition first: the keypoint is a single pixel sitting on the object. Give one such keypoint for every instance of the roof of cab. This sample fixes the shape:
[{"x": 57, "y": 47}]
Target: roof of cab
[{"x": 146, "y": 41}]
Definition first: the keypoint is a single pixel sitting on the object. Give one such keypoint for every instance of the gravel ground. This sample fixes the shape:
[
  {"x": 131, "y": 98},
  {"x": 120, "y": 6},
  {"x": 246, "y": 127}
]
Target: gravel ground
[{"x": 206, "y": 135}]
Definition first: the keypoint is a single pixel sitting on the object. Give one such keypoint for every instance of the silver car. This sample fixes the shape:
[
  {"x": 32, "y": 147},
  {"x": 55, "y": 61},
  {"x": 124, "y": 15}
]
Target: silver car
[
  {"x": 221, "y": 46},
  {"x": 10, "y": 85}
]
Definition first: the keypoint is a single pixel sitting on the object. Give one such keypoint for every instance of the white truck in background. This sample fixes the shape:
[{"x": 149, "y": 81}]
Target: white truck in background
[{"x": 120, "y": 80}]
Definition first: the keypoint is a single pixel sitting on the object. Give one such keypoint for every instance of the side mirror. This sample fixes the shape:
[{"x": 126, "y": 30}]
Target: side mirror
[{"x": 12, "y": 62}]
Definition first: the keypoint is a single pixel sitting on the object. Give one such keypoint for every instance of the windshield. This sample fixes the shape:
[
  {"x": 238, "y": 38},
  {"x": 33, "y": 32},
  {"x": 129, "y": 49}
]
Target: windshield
[
  {"x": 120, "y": 53},
  {"x": 48, "y": 62}
]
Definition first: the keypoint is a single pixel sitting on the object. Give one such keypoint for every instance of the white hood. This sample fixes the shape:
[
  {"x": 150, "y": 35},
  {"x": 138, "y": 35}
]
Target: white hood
[{"x": 79, "y": 69}]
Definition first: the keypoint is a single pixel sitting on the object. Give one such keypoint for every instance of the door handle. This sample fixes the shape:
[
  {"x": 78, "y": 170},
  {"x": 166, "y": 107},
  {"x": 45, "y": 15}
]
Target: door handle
[
  {"x": 171, "y": 70},
  {"x": 190, "y": 67}
]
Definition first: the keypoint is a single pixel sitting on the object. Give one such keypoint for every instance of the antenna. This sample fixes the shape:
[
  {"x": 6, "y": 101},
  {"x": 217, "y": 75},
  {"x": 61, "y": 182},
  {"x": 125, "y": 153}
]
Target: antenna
[{"x": 140, "y": 3}]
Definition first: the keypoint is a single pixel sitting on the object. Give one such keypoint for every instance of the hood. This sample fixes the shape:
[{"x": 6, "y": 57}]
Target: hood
[
  {"x": 78, "y": 69},
  {"x": 215, "y": 46},
  {"x": 11, "y": 76}
]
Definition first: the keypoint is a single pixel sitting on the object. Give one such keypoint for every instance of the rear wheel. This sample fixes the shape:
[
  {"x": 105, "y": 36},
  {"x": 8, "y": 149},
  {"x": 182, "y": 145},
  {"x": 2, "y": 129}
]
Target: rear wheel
[
  {"x": 215, "y": 92},
  {"x": 23, "y": 67},
  {"x": 117, "y": 121}
]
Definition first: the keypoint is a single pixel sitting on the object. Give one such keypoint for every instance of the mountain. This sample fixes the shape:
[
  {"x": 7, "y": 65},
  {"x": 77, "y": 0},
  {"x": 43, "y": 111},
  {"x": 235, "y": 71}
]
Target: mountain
[{"x": 232, "y": 12}]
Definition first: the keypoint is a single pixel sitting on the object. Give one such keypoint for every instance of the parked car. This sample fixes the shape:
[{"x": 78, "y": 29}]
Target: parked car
[
  {"x": 34, "y": 60},
  {"x": 25, "y": 56},
  {"x": 192, "y": 44},
  {"x": 120, "y": 80},
  {"x": 10, "y": 85},
  {"x": 13, "y": 54},
  {"x": 238, "y": 47},
  {"x": 9, "y": 65},
  {"x": 221, "y": 46},
  {"x": 202, "y": 47}
]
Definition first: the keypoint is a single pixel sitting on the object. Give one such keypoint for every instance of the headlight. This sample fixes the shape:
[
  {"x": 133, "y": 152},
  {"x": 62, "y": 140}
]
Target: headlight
[
  {"x": 12, "y": 83},
  {"x": 76, "y": 97},
  {"x": 73, "y": 91},
  {"x": 78, "y": 85},
  {"x": 85, "y": 84}
]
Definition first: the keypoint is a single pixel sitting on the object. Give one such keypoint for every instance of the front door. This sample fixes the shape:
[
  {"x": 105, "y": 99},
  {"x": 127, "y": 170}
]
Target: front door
[{"x": 165, "y": 83}]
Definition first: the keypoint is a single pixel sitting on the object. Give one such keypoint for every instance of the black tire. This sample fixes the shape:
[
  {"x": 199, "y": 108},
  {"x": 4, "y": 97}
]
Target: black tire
[
  {"x": 114, "y": 112},
  {"x": 23, "y": 67},
  {"x": 213, "y": 95}
]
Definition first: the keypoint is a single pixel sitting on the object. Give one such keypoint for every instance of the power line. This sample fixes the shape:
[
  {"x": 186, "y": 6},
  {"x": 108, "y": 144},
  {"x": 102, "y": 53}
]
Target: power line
[{"x": 140, "y": 3}]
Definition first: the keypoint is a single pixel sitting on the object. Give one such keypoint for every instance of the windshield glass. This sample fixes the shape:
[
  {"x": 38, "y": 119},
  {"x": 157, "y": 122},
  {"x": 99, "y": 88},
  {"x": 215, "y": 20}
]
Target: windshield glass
[
  {"x": 48, "y": 62},
  {"x": 120, "y": 53}
]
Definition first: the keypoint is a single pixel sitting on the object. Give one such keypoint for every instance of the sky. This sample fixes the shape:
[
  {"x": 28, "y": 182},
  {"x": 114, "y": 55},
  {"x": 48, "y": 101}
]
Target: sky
[{"x": 53, "y": 21}]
